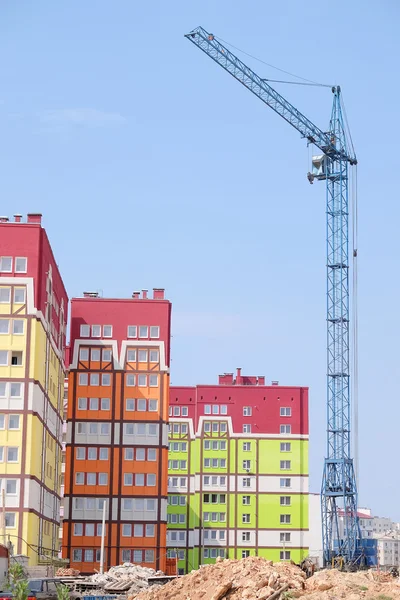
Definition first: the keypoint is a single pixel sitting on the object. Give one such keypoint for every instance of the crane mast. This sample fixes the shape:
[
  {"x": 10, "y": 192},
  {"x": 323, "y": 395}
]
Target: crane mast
[{"x": 339, "y": 490}]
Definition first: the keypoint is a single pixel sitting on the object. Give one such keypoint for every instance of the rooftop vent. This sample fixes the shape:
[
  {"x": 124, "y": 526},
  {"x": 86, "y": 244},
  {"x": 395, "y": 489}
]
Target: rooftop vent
[{"x": 90, "y": 294}]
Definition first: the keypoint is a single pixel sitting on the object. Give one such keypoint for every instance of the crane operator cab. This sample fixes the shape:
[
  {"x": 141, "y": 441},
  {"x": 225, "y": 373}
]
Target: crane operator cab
[{"x": 319, "y": 166}]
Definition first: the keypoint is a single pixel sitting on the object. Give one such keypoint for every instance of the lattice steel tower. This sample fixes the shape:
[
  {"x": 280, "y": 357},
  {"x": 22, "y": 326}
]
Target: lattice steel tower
[{"x": 339, "y": 489}]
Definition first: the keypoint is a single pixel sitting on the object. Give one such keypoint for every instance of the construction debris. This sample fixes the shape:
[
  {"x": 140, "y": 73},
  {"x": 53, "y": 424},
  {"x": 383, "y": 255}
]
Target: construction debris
[
  {"x": 128, "y": 578},
  {"x": 63, "y": 572},
  {"x": 256, "y": 578}
]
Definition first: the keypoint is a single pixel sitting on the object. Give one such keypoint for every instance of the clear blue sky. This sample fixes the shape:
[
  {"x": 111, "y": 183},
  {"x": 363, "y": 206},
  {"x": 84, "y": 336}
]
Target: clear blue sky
[{"x": 153, "y": 167}]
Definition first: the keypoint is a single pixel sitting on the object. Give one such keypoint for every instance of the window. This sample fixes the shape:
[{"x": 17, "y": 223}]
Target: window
[
  {"x": 224, "y": 409},
  {"x": 103, "y": 454},
  {"x": 142, "y": 356},
  {"x": 84, "y": 354},
  {"x": 285, "y": 519},
  {"x": 245, "y": 536},
  {"x": 93, "y": 428},
  {"x": 6, "y": 264},
  {"x": 215, "y": 409},
  {"x": 82, "y": 403},
  {"x": 284, "y": 536},
  {"x": 3, "y": 357},
  {"x": 247, "y": 411},
  {"x": 92, "y": 453},
  {"x": 150, "y": 529},
  {"x": 143, "y": 331},
  {"x": 88, "y": 555},
  {"x": 106, "y": 379},
  {"x": 285, "y": 465},
  {"x": 286, "y": 446},
  {"x": 246, "y": 446},
  {"x": 141, "y": 404},
  {"x": 13, "y": 422},
  {"x": 176, "y": 411},
  {"x": 4, "y": 326},
  {"x": 131, "y": 356},
  {"x": 85, "y": 331},
  {"x": 246, "y": 465},
  {"x": 19, "y": 295},
  {"x": 81, "y": 427},
  {"x": 139, "y": 479},
  {"x": 127, "y": 504},
  {"x": 284, "y": 554},
  {"x": 246, "y": 500},
  {"x": 207, "y": 409},
  {"x": 154, "y": 356},
  {"x": 142, "y": 380},
  {"x": 129, "y": 428},
  {"x": 107, "y": 331},
  {"x": 5, "y": 295},
  {"x": 10, "y": 519},
  {"x": 106, "y": 355},
  {"x": 91, "y": 478},
  {"x": 12, "y": 455},
  {"x": 285, "y": 428},
  {"x": 153, "y": 380},
  {"x": 105, "y": 404},
  {"x": 99, "y": 529},
  {"x": 285, "y": 500},
  {"x": 153, "y": 405},
  {"x": 83, "y": 378},
  {"x": 149, "y": 556},
  {"x": 93, "y": 403},
  {"x": 151, "y": 479},
  {"x": 247, "y": 428},
  {"x": 154, "y": 332},
  {"x": 96, "y": 331},
  {"x": 285, "y": 483},
  {"x": 94, "y": 379},
  {"x": 151, "y": 454},
  {"x": 137, "y": 556},
  {"x": 130, "y": 380},
  {"x": 18, "y": 326},
  {"x": 80, "y": 454},
  {"x": 89, "y": 529},
  {"x": 132, "y": 331},
  {"x": 127, "y": 530},
  {"x": 20, "y": 265},
  {"x": 215, "y": 427},
  {"x": 140, "y": 454},
  {"x": 76, "y": 555},
  {"x": 95, "y": 354},
  {"x": 246, "y": 518},
  {"x": 285, "y": 411},
  {"x": 79, "y": 478},
  {"x": 246, "y": 482},
  {"x": 11, "y": 486},
  {"x": 15, "y": 390},
  {"x": 185, "y": 411},
  {"x": 78, "y": 528},
  {"x": 2, "y": 395},
  {"x": 16, "y": 358},
  {"x": 128, "y": 479}
]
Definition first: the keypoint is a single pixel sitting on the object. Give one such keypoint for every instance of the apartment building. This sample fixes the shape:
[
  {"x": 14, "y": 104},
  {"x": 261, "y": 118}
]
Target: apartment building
[
  {"x": 117, "y": 438},
  {"x": 238, "y": 471},
  {"x": 33, "y": 314}
]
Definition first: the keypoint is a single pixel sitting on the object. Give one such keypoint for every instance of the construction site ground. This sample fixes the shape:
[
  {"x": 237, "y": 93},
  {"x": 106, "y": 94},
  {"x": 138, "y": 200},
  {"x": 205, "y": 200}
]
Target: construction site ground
[{"x": 256, "y": 578}]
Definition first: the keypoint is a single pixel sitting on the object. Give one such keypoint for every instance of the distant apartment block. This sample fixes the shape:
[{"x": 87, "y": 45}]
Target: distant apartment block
[
  {"x": 117, "y": 438},
  {"x": 238, "y": 471},
  {"x": 33, "y": 315}
]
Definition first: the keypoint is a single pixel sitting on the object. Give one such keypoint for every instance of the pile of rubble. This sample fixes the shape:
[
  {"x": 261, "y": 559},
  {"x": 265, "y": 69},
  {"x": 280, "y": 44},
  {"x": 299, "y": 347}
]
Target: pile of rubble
[
  {"x": 247, "y": 579},
  {"x": 257, "y": 578},
  {"x": 127, "y": 578},
  {"x": 64, "y": 572}
]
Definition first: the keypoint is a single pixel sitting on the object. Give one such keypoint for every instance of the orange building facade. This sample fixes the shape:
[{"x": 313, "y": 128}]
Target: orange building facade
[{"x": 117, "y": 437}]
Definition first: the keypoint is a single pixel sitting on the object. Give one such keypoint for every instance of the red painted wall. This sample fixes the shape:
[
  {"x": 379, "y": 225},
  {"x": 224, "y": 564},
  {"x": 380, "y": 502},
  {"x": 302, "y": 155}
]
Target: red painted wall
[{"x": 264, "y": 400}]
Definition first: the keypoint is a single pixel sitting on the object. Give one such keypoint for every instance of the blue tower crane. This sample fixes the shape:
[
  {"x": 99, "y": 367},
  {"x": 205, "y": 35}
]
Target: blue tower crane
[{"x": 339, "y": 489}]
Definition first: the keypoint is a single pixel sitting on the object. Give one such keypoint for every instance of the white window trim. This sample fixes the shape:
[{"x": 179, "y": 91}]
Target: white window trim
[
  {"x": 26, "y": 264},
  {"x": 6, "y": 270}
]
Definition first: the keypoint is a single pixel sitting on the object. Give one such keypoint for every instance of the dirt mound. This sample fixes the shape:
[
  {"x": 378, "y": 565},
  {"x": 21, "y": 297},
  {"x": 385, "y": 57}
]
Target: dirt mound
[{"x": 256, "y": 578}]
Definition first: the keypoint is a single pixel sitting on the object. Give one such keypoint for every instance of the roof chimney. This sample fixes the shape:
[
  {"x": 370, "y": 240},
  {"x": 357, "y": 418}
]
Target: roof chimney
[
  {"x": 158, "y": 293},
  {"x": 90, "y": 294},
  {"x": 35, "y": 218},
  {"x": 17, "y": 218},
  {"x": 3, "y": 219},
  {"x": 136, "y": 295},
  {"x": 144, "y": 294}
]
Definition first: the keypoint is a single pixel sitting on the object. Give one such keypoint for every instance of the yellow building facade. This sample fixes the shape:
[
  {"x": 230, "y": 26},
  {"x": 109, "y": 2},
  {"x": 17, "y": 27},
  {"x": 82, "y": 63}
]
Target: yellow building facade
[{"x": 33, "y": 308}]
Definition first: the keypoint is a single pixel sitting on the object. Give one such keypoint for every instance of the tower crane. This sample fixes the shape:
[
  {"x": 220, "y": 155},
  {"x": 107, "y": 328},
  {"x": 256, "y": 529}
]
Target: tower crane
[{"x": 339, "y": 488}]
